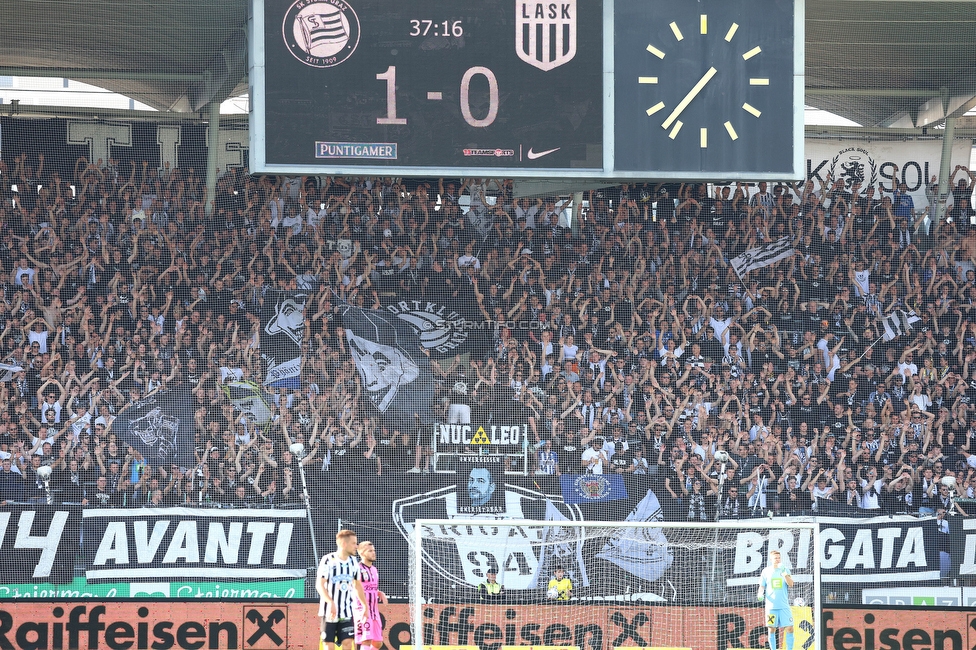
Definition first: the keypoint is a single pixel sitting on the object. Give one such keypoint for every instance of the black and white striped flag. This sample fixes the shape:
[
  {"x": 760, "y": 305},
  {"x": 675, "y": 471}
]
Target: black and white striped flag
[
  {"x": 760, "y": 256},
  {"x": 897, "y": 323}
]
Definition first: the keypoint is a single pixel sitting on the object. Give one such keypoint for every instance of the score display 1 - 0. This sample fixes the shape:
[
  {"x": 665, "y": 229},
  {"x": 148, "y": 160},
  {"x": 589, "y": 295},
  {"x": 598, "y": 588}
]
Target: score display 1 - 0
[{"x": 435, "y": 95}]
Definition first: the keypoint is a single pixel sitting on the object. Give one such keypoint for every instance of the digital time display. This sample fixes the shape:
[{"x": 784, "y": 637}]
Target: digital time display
[
  {"x": 425, "y": 27},
  {"x": 430, "y": 84}
]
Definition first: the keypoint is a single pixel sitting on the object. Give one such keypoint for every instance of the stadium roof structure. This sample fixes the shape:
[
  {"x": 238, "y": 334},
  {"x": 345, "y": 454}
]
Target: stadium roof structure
[{"x": 880, "y": 63}]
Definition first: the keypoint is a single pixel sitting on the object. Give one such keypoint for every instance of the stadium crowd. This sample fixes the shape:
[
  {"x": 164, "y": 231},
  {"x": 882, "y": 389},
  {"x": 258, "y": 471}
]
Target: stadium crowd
[{"x": 619, "y": 332}]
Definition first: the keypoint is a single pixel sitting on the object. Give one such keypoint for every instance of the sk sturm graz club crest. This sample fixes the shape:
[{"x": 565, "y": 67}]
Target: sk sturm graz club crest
[
  {"x": 545, "y": 32},
  {"x": 525, "y": 557},
  {"x": 321, "y": 33}
]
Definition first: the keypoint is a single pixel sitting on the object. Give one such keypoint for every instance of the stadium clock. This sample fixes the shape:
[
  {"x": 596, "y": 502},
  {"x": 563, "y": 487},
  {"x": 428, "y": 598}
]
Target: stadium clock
[
  {"x": 709, "y": 85},
  {"x": 433, "y": 84}
]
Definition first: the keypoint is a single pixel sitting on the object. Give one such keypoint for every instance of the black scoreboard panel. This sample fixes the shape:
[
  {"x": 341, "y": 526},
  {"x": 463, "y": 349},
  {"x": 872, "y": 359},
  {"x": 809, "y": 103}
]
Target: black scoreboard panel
[
  {"x": 563, "y": 89},
  {"x": 433, "y": 83}
]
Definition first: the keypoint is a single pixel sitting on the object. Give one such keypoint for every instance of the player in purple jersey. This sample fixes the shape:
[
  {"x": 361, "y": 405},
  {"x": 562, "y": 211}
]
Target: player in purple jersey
[{"x": 369, "y": 625}]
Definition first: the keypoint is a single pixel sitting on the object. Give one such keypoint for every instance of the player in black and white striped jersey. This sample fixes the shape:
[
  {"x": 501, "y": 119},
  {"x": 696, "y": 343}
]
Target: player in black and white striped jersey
[{"x": 338, "y": 584}]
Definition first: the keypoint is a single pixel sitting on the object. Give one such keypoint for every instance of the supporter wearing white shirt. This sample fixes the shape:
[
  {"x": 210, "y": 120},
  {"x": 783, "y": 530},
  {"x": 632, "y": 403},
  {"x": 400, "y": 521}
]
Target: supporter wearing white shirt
[
  {"x": 906, "y": 367},
  {"x": 594, "y": 458},
  {"x": 719, "y": 325},
  {"x": 568, "y": 351},
  {"x": 871, "y": 491}
]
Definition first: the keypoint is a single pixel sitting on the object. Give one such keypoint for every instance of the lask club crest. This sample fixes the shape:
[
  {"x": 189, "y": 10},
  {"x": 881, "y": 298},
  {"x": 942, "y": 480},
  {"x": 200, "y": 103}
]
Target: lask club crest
[{"x": 545, "y": 33}]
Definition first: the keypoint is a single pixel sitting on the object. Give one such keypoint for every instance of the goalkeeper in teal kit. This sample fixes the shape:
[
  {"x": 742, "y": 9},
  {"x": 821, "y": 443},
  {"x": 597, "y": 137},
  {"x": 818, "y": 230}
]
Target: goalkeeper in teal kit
[{"x": 774, "y": 587}]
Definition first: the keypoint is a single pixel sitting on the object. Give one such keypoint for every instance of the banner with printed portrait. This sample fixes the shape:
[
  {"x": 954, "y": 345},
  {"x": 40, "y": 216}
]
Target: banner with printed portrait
[
  {"x": 395, "y": 371},
  {"x": 249, "y": 399},
  {"x": 160, "y": 427},
  {"x": 282, "y": 336}
]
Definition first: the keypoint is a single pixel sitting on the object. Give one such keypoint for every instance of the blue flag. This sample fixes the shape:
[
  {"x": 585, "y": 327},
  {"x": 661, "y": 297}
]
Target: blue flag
[{"x": 592, "y": 488}]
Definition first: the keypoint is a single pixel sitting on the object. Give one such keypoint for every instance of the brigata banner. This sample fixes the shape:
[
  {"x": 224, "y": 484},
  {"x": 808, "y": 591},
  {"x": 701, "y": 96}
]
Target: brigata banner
[
  {"x": 879, "y": 550},
  {"x": 39, "y": 542},
  {"x": 500, "y": 438},
  {"x": 178, "y": 543}
]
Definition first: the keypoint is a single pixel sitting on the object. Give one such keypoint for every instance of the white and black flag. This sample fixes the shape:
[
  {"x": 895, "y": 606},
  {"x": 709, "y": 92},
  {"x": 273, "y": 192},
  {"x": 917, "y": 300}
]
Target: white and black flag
[
  {"x": 282, "y": 334},
  {"x": 160, "y": 426},
  {"x": 760, "y": 256},
  {"x": 897, "y": 323},
  {"x": 395, "y": 371}
]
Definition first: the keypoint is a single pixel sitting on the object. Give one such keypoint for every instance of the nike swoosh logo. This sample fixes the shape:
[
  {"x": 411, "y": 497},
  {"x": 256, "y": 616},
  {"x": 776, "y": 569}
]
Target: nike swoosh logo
[{"x": 532, "y": 155}]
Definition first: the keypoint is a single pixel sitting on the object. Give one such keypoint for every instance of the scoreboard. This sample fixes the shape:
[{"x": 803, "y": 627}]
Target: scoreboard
[{"x": 525, "y": 88}]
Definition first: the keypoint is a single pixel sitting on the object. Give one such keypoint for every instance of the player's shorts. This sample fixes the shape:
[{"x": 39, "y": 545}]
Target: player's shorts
[
  {"x": 369, "y": 629},
  {"x": 338, "y": 631},
  {"x": 779, "y": 618}
]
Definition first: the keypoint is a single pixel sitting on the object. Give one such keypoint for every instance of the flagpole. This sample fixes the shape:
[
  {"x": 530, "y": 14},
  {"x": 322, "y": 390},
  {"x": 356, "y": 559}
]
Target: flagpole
[
  {"x": 878, "y": 340},
  {"x": 298, "y": 449}
]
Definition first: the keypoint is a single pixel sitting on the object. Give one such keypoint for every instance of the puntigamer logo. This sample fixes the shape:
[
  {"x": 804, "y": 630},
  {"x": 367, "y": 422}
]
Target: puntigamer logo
[{"x": 321, "y": 33}]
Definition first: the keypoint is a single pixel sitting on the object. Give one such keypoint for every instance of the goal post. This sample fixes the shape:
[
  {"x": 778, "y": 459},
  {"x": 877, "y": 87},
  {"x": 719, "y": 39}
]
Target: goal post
[{"x": 633, "y": 584}]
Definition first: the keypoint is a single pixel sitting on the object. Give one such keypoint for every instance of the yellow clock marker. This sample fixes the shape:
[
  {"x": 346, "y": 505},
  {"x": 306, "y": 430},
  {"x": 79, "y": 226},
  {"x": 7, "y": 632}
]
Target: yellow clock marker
[
  {"x": 751, "y": 53},
  {"x": 647, "y": 80},
  {"x": 677, "y": 32},
  {"x": 732, "y": 133},
  {"x": 752, "y": 110},
  {"x": 704, "y": 24},
  {"x": 758, "y": 81},
  {"x": 654, "y": 109},
  {"x": 729, "y": 34},
  {"x": 704, "y": 138},
  {"x": 674, "y": 131},
  {"x": 656, "y": 52}
]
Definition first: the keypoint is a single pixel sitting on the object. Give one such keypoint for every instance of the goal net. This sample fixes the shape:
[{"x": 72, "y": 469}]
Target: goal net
[{"x": 605, "y": 585}]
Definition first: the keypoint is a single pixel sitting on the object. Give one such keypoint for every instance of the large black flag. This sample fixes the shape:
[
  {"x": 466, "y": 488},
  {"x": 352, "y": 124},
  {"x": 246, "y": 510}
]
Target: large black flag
[
  {"x": 445, "y": 328},
  {"x": 395, "y": 371},
  {"x": 282, "y": 333},
  {"x": 160, "y": 426}
]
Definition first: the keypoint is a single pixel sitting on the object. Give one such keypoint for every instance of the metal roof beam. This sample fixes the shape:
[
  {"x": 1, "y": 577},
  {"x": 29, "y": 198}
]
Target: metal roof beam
[
  {"x": 85, "y": 113},
  {"x": 224, "y": 70},
  {"x": 88, "y": 73},
  {"x": 869, "y": 92}
]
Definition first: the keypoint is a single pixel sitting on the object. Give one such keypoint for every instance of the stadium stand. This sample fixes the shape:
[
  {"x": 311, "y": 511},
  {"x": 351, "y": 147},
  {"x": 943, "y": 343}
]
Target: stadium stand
[{"x": 825, "y": 339}]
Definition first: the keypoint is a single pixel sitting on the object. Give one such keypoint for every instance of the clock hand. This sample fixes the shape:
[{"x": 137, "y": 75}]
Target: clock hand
[{"x": 690, "y": 96}]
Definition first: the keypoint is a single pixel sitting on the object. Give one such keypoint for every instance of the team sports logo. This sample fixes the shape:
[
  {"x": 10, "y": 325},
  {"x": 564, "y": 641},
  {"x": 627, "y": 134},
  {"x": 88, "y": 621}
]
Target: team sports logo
[
  {"x": 545, "y": 32},
  {"x": 321, "y": 33},
  {"x": 497, "y": 153}
]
